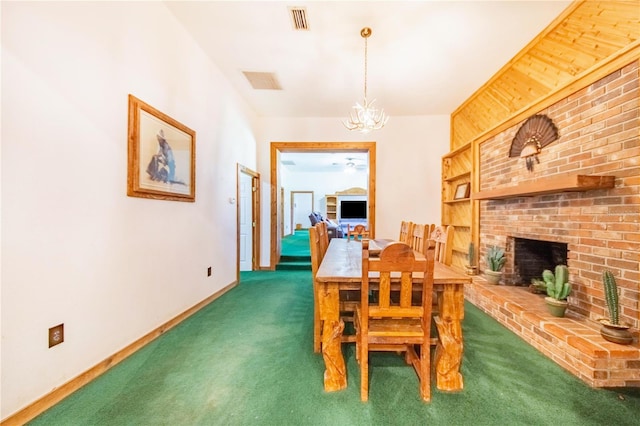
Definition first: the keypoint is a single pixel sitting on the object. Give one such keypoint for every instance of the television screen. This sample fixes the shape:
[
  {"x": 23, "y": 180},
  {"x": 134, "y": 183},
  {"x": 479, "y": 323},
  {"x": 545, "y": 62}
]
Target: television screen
[{"x": 353, "y": 210}]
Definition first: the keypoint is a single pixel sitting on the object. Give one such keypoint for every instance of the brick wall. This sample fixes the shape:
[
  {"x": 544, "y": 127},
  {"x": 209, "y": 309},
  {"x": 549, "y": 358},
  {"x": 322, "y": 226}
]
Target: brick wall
[{"x": 598, "y": 135}]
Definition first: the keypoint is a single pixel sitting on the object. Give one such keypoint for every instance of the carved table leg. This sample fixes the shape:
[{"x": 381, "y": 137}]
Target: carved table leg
[
  {"x": 449, "y": 349},
  {"x": 335, "y": 375}
]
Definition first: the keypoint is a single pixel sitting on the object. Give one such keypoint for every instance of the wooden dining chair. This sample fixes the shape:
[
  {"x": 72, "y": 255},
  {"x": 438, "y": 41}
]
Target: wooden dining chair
[
  {"x": 316, "y": 259},
  {"x": 428, "y": 230},
  {"x": 358, "y": 232},
  {"x": 383, "y": 325},
  {"x": 323, "y": 236},
  {"x": 405, "y": 231},
  {"x": 443, "y": 238},
  {"x": 420, "y": 234}
]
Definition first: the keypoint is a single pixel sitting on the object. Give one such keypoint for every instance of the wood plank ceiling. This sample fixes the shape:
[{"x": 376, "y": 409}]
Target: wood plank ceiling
[{"x": 587, "y": 36}]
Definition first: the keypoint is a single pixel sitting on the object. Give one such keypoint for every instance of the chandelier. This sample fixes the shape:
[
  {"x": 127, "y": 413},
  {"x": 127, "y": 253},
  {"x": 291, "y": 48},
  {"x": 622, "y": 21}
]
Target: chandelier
[{"x": 365, "y": 117}]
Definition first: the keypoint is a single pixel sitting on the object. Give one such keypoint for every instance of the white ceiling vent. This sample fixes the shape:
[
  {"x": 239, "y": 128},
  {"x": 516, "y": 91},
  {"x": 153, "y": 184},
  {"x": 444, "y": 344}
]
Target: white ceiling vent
[
  {"x": 299, "y": 18},
  {"x": 262, "y": 80},
  {"x": 288, "y": 163}
]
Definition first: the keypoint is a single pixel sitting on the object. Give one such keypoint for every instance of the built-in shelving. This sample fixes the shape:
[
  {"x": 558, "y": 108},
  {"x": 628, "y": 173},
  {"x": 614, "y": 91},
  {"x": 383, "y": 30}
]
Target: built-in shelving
[
  {"x": 457, "y": 167},
  {"x": 332, "y": 206},
  {"x": 548, "y": 185}
]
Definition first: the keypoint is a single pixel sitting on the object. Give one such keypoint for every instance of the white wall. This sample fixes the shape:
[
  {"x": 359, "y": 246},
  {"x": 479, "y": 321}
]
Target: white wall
[
  {"x": 75, "y": 249},
  {"x": 409, "y": 151}
]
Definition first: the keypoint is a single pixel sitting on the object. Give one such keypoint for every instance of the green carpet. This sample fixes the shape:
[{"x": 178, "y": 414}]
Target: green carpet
[
  {"x": 295, "y": 252},
  {"x": 247, "y": 359}
]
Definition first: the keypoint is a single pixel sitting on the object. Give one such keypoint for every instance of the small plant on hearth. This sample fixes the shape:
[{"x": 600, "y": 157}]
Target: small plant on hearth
[
  {"x": 538, "y": 286},
  {"x": 558, "y": 286},
  {"x": 495, "y": 262},
  {"x": 611, "y": 296},
  {"x": 471, "y": 260},
  {"x": 612, "y": 330},
  {"x": 471, "y": 255},
  {"x": 558, "y": 289},
  {"x": 495, "y": 258}
]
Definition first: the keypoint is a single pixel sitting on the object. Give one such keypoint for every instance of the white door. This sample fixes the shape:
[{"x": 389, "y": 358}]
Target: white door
[
  {"x": 246, "y": 224},
  {"x": 301, "y": 208}
]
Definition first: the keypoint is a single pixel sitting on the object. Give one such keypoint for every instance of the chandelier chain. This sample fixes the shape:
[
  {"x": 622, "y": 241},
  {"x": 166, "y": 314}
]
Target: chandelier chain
[{"x": 365, "y": 67}]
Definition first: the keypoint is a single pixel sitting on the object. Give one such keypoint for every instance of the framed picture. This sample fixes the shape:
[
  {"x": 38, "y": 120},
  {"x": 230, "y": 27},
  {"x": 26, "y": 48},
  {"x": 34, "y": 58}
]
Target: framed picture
[
  {"x": 162, "y": 155},
  {"x": 462, "y": 191}
]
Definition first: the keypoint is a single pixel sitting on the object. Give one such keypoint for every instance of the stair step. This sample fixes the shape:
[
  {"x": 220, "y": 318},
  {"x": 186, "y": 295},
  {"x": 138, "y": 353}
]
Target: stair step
[
  {"x": 295, "y": 259},
  {"x": 293, "y": 266}
]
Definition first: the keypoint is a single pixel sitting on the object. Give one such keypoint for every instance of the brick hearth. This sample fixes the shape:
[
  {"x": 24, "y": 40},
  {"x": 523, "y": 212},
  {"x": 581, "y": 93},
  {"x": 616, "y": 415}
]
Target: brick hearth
[
  {"x": 573, "y": 342},
  {"x": 598, "y": 130}
]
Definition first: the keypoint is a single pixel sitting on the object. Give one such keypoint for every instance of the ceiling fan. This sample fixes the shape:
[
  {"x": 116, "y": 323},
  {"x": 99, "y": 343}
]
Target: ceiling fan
[{"x": 353, "y": 164}]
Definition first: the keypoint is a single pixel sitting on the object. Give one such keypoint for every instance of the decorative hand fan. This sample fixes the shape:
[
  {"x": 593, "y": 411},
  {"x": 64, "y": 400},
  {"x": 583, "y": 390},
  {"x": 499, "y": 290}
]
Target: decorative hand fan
[{"x": 536, "y": 133}]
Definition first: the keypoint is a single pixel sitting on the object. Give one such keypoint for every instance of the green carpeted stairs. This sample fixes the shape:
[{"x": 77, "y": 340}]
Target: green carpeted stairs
[{"x": 295, "y": 253}]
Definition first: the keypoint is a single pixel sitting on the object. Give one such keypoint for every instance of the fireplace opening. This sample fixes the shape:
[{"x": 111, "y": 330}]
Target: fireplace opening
[{"x": 531, "y": 257}]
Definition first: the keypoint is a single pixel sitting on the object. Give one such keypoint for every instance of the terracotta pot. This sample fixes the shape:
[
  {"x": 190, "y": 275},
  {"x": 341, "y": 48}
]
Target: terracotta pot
[
  {"x": 556, "y": 307},
  {"x": 493, "y": 277},
  {"x": 471, "y": 270},
  {"x": 616, "y": 333}
]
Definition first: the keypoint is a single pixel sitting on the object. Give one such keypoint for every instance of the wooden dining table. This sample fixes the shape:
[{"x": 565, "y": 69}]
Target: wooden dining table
[{"x": 341, "y": 269}]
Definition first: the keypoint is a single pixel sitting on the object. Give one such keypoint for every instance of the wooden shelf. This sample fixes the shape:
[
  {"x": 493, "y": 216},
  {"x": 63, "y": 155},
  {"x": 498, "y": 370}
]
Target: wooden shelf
[
  {"x": 548, "y": 185},
  {"x": 458, "y": 176},
  {"x": 459, "y": 200},
  {"x": 458, "y": 150},
  {"x": 460, "y": 250},
  {"x": 458, "y": 225}
]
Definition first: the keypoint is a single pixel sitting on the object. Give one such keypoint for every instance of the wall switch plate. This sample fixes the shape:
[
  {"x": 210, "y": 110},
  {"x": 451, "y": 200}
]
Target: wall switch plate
[{"x": 56, "y": 335}]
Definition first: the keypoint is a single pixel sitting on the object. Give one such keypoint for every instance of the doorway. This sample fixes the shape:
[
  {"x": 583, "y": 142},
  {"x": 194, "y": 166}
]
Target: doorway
[
  {"x": 301, "y": 207},
  {"x": 277, "y": 198},
  {"x": 248, "y": 216}
]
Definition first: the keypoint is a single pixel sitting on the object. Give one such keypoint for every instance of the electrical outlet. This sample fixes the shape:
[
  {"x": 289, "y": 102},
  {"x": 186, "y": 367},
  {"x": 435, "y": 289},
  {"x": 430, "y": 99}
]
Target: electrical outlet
[
  {"x": 209, "y": 271},
  {"x": 56, "y": 335}
]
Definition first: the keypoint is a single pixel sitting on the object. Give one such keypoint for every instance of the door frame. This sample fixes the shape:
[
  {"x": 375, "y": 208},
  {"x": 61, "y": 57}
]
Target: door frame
[
  {"x": 310, "y": 147},
  {"x": 291, "y": 205},
  {"x": 255, "y": 217}
]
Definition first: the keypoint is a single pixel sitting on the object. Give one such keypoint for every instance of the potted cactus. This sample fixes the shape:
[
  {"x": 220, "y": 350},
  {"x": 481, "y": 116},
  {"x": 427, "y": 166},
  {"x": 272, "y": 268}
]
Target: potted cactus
[
  {"x": 495, "y": 262},
  {"x": 471, "y": 267},
  {"x": 538, "y": 286},
  {"x": 612, "y": 330},
  {"x": 558, "y": 289}
]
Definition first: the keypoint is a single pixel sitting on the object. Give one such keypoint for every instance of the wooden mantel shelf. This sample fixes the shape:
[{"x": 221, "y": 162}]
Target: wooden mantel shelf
[{"x": 548, "y": 185}]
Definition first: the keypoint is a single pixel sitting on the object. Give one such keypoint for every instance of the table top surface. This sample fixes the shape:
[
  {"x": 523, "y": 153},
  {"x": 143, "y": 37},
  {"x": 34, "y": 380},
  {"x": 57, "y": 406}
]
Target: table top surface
[{"x": 343, "y": 263}]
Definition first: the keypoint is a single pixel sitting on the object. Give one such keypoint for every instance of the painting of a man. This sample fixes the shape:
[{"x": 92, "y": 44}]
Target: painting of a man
[{"x": 162, "y": 166}]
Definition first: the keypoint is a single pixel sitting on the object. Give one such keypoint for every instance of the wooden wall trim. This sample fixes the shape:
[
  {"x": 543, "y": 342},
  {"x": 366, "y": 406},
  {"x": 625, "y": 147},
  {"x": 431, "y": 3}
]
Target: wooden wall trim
[{"x": 277, "y": 147}]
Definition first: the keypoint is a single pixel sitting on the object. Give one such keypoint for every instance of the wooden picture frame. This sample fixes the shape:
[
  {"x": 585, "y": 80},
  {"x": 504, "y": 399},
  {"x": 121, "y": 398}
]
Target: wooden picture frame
[
  {"x": 462, "y": 191},
  {"x": 161, "y": 155}
]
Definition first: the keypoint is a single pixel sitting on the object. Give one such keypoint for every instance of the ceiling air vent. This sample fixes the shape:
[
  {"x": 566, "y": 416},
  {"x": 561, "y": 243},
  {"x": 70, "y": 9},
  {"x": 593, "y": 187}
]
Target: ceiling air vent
[
  {"x": 262, "y": 80},
  {"x": 288, "y": 163},
  {"x": 299, "y": 18}
]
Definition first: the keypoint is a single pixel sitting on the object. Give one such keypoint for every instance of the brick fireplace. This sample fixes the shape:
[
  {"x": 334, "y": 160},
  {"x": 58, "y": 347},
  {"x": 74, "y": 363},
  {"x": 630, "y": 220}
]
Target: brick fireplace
[{"x": 599, "y": 229}]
